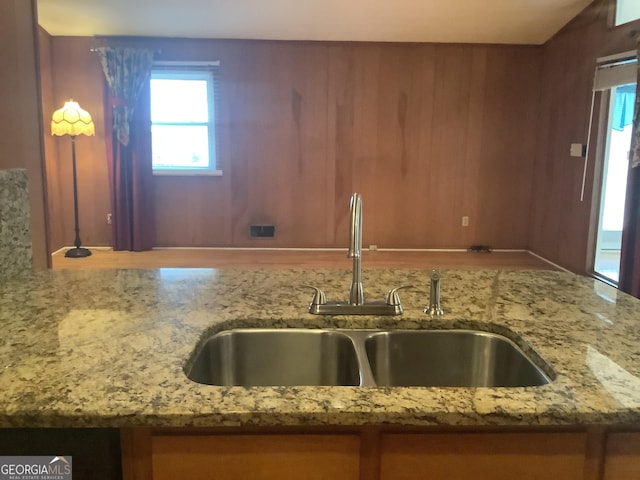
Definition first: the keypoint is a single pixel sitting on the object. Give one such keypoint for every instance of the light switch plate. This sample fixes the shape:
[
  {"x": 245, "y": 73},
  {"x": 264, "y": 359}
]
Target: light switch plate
[{"x": 576, "y": 150}]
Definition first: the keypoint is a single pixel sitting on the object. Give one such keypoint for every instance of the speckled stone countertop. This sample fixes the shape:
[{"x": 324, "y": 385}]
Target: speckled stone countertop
[
  {"x": 15, "y": 226},
  {"x": 108, "y": 348}
]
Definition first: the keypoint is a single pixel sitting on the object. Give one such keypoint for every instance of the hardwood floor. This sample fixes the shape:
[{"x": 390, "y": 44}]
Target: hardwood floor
[{"x": 228, "y": 258}]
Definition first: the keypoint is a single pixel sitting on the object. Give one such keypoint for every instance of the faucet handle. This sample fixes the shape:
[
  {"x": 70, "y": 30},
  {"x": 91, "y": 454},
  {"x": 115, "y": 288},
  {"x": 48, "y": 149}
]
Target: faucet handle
[
  {"x": 392, "y": 297},
  {"x": 319, "y": 298}
]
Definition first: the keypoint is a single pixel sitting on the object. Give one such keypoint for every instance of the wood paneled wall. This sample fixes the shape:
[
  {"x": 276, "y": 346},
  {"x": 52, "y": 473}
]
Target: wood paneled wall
[
  {"x": 56, "y": 226},
  {"x": 560, "y": 222},
  {"x": 20, "y": 127},
  {"x": 427, "y": 134},
  {"x": 71, "y": 70}
]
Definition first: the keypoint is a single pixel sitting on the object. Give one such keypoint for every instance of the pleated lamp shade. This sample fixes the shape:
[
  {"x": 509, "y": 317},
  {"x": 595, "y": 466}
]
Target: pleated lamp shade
[{"x": 72, "y": 120}]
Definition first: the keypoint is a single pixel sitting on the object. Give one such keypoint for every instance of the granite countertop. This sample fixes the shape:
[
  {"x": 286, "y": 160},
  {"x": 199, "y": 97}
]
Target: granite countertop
[{"x": 107, "y": 348}]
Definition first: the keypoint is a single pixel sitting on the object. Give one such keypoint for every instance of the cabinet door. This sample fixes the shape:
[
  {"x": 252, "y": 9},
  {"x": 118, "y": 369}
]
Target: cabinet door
[
  {"x": 509, "y": 456},
  {"x": 622, "y": 457},
  {"x": 256, "y": 457}
]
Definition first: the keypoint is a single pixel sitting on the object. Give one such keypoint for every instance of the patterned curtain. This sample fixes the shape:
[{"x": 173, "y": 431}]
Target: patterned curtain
[
  {"x": 126, "y": 70},
  {"x": 128, "y": 131},
  {"x": 630, "y": 250}
]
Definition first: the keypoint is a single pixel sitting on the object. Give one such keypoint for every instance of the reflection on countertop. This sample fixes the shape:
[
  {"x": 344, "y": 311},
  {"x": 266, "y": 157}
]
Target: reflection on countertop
[{"x": 108, "y": 348}]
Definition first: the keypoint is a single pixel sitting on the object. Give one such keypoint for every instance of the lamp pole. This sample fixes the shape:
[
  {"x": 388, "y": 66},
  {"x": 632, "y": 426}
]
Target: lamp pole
[{"x": 78, "y": 251}]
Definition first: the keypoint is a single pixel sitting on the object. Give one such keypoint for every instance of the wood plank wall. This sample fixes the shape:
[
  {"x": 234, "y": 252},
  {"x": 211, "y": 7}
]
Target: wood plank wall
[
  {"x": 54, "y": 202},
  {"x": 560, "y": 222},
  {"x": 427, "y": 134},
  {"x": 70, "y": 70},
  {"x": 20, "y": 128}
]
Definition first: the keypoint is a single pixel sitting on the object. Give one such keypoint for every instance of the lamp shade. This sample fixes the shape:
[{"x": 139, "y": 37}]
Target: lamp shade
[{"x": 72, "y": 120}]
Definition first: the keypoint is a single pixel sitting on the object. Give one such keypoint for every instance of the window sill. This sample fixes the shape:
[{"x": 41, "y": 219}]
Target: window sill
[{"x": 187, "y": 173}]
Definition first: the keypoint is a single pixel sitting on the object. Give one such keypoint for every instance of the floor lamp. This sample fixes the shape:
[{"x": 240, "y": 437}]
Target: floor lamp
[{"x": 73, "y": 120}]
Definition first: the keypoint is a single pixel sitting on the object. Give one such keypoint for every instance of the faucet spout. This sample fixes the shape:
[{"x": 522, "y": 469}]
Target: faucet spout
[
  {"x": 356, "y": 292},
  {"x": 356, "y": 304}
]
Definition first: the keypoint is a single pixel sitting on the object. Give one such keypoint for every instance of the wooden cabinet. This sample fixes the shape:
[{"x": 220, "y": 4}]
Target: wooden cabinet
[
  {"x": 255, "y": 457},
  {"x": 480, "y": 456},
  {"x": 622, "y": 456},
  {"x": 380, "y": 453}
]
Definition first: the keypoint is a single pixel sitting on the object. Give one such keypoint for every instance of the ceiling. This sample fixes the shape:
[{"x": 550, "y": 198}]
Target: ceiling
[{"x": 442, "y": 21}]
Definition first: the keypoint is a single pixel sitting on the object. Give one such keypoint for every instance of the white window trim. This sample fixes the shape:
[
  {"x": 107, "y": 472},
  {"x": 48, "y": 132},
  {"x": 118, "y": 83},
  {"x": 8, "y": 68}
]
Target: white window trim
[
  {"x": 192, "y": 172},
  {"x": 623, "y": 21},
  {"x": 208, "y": 63},
  {"x": 612, "y": 70},
  {"x": 174, "y": 172}
]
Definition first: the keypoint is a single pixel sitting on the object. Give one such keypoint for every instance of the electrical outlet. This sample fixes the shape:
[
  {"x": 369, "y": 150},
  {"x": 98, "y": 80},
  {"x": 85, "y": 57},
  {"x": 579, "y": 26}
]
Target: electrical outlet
[
  {"x": 465, "y": 221},
  {"x": 109, "y": 219}
]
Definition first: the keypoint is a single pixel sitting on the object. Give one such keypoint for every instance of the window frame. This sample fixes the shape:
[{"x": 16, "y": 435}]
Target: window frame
[
  {"x": 616, "y": 11},
  {"x": 196, "y": 71}
]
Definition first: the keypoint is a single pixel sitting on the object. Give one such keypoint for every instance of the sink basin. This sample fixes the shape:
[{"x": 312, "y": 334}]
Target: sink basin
[
  {"x": 276, "y": 357},
  {"x": 297, "y": 357},
  {"x": 449, "y": 358}
]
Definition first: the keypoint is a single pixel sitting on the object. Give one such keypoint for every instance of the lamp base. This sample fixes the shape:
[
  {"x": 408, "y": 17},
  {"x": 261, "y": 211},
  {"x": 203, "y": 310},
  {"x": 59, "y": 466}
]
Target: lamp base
[{"x": 77, "y": 252}]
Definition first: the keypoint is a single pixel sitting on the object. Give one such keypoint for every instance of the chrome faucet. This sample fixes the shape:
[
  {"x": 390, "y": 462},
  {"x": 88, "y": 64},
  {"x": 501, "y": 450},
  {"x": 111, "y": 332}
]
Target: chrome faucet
[
  {"x": 356, "y": 305},
  {"x": 356, "y": 292}
]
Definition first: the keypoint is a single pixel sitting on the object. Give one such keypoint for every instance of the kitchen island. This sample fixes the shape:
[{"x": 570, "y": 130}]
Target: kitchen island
[{"x": 108, "y": 349}]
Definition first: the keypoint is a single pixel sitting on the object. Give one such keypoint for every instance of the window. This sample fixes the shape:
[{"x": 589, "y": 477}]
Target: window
[
  {"x": 627, "y": 11},
  {"x": 183, "y": 113}
]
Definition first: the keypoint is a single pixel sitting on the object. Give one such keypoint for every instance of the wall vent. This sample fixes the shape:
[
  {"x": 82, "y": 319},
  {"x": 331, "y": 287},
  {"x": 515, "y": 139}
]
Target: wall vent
[{"x": 262, "y": 230}]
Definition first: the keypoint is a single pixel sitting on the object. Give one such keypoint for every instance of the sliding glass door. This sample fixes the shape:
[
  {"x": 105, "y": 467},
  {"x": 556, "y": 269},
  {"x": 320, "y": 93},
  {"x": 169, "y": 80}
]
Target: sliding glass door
[{"x": 614, "y": 181}]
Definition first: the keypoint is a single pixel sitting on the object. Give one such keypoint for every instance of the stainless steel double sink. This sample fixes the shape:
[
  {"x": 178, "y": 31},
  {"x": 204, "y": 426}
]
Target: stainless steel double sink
[{"x": 325, "y": 357}]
